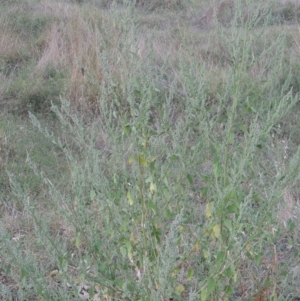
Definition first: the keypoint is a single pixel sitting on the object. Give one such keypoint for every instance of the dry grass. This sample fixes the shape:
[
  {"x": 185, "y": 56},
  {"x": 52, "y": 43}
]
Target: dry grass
[
  {"x": 72, "y": 44},
  {"x": 86, "y": 45},
  {"x": 10, "y": 43}
]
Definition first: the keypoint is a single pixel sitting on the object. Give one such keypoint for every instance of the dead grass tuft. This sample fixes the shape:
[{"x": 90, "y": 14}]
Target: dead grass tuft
[
  {"x": 70, "y": 40},
  {"x": 288, "y": 209},
  {"x": 153, "y": 5},
  {"x": 223, "y": 12},
  {"x": 71, "y": 44},
  {"x": 10, "y": 43}
]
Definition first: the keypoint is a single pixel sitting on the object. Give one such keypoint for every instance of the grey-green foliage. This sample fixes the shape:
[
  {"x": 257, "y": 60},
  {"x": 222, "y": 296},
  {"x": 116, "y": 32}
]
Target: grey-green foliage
[{"x": 177, "y": 186}]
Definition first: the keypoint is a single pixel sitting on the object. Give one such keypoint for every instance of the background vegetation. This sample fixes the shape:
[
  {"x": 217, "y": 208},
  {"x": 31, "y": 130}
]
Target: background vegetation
[{"x": 149, "y": 150}]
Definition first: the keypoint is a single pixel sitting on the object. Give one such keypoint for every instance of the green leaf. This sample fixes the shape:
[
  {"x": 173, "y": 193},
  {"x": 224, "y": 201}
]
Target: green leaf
[
  {"x": 203, "y": 191},
  {"x": 204, "y": 294},
  {"x": 150, "y": 205},
  {"x": 230, "y": 272},
  {"x": 63, "y": 261},
  {"x": 190, "y": 179},
  {"x": 220, "y": 257},
  {"x": 152, "y": 187},
  {"x": 129, "y": 198},
  {"x": 173, "y": 158},
  {"x": 127, "y": 129},
  {"x": 123, "y": 252},
  {"x": 142, "y": 161},
  {"x": 232, "y": 209},
  {"x": 152, "y": 133},
  {"x": 229, "y": 290},
  {"x": 128, "y": 245},
  {"x": 168, "y": 214},
  {"x": 195, "y": 247},
  {"x": 291, "y": 225},
  {"x": 258, "y": 259},
  {"x": 180, "y": 289},
  {"x": 138, "y": 93},
  {"x": 290, "y": 242},
  {"x": 157, "y": 234},
  {"x": 208, "y": 210},
  {"x": 217, "y": 168},
  {"x": 92, "y": 194},
  {"x": 243, "y": 128},
  {"x": 211, "y": 285},
  {"x": 228, "y": 224},
  {"x": 91, "y": 292},
  {"x": 152, "y": 166},
  {"x": 267, "y": 282},
  {"x": 190, "y": 274},
  {"x": 97, "y": 243},
  {"x": 102, "y": 267},
  {"x": 251, "y": 109},
  {"x": 40, "y": 289},
  {"x": 216, "y": 230},
  {"x": 256, "y": 198},
  {"x": 231, "y": 137}
]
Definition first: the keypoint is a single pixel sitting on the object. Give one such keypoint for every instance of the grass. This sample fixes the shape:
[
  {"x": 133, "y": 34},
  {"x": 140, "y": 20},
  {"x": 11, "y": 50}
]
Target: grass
[{"x": 149, "y": 151}]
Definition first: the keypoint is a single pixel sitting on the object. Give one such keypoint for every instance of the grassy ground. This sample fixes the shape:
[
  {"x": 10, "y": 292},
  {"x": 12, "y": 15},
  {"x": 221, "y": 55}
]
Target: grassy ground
[{"x": 149, "y": 150}]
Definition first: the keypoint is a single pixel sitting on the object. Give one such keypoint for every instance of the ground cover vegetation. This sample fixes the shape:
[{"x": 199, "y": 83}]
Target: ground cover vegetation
[{"x": 149, "y": 150}]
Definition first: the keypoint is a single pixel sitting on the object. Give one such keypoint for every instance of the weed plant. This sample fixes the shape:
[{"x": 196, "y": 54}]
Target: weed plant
[{"x": 173, "y": 189}]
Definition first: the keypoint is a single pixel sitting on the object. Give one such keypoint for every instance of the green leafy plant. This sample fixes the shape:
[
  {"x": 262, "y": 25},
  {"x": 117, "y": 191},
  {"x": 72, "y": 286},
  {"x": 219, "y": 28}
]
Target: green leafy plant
[{"x": 171, "y": 188}]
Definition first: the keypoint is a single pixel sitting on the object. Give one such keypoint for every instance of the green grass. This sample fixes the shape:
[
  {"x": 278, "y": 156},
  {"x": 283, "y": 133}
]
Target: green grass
[{"x": 159, "y": 158}]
